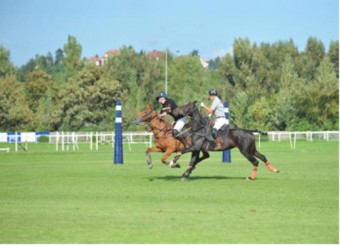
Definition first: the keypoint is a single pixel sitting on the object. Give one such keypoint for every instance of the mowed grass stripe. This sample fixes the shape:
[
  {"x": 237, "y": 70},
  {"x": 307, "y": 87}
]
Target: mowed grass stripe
[{"x": 82, "y": 197}]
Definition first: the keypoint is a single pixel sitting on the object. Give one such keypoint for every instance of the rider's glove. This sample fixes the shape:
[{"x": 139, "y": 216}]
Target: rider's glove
[{"x": 202, "y": 104}]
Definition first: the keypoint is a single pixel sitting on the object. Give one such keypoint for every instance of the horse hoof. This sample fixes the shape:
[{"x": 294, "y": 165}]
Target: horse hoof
[
  {"x": 276, "y": 171},
  {"x": 184, "y": 178},
  {"x": 150, "y": 165},
  {"x": 250, "y": 178},
  {"x": 172, "y": 164}
]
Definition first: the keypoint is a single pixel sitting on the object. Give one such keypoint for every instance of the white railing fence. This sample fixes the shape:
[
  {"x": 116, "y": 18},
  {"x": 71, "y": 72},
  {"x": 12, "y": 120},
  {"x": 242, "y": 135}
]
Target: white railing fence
[
  {"x": 66, "y": 141},
  {"x": 94, "y": 139}
]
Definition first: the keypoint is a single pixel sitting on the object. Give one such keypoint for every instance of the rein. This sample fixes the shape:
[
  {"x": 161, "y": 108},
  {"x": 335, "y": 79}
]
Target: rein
[
  {"x": 199, "y": 122},
  {"x": 153, "y": 128}
]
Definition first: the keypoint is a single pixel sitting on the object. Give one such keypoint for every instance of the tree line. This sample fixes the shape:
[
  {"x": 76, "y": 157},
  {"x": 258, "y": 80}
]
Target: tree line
[{"x": 268, "y": 86}]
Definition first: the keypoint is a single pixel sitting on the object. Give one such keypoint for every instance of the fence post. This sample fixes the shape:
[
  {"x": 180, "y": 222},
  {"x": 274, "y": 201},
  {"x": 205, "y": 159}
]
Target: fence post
[
  {"x": 16, "y": 141},
  {"x": 56, "y": 141},
  {"x": 226, "y": 157},
  {"x": 62, "y": 141},
  {"x": 118, "y": 149},
  {"x": 97, "y": 141}
]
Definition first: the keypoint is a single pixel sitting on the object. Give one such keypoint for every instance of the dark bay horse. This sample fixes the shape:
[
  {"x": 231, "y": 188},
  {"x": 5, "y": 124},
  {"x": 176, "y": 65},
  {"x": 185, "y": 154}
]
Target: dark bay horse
[
  {"x": 201, "y": 131},
  {"x": 164, "y": 140}
]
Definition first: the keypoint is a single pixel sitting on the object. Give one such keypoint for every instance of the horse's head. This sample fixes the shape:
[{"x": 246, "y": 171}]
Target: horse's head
[
  {"x": 146, "y": 115},
  {"x": 185, "y": 110}
]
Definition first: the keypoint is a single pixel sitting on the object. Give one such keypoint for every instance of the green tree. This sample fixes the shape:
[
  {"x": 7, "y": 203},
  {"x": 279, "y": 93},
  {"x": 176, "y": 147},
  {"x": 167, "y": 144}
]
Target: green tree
[
  {"x": 88, "y": 101},
  {"x": 6, "y": 66},
  {"x": 285, "y": 117},
  {"x": 36, "y": 88},
  {"x": 26, "y": 69},
  {"x": 238, "y": 109},
  {"x": 71, "y": 60},
  {"x": 333, "y": 54},
  {"x": 260, "y": 112},
  {"x": 318, "y": 102},
  {"x": 308, "y": 62},
  {"x": 59, "y": 56},
  {"x": 186, "y": 79},
  {"x": 15, "y": 115}
]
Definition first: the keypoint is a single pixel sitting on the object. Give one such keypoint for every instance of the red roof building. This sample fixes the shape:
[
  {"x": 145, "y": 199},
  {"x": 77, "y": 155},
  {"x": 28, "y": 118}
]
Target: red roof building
[
  {"x": 155, "y": 55},
  {"x": 109, "y": 53},
  {"x": 95, "y": 60}
]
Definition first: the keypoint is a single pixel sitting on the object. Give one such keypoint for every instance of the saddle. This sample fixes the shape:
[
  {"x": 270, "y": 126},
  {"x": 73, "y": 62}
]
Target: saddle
[{"x": 222, "y": 132}]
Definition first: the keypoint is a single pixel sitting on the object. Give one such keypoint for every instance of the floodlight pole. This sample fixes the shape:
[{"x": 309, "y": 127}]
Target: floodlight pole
[{"x": 166, "y": 72}]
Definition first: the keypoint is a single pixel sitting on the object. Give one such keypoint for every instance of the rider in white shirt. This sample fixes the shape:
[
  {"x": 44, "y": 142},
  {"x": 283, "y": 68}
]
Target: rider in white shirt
[{"x": 217, "y": 109}]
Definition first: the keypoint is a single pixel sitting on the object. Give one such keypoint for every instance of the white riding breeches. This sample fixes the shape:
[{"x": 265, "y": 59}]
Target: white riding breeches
[
  {"x": 219, "y": 122},
  {"x": 180, "y": 124}
]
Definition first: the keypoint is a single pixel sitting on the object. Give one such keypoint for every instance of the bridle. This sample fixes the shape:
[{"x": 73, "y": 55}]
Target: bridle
[
  {"x": 164, "y": 129},
  {"x": 199, "y": 122},
  {"x": 145, "y": 115}
]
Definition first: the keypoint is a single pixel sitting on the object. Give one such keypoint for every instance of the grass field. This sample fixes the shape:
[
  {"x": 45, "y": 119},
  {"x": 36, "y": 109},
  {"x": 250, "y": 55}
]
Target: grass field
[{"x": 82, "y": 197}]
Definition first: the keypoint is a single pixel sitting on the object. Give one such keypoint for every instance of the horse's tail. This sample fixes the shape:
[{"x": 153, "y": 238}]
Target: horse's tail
[{"x": 260, "y": 132}]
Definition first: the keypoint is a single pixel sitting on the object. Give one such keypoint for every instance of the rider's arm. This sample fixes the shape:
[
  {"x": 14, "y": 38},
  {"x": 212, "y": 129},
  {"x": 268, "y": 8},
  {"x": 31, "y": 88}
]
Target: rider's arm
[
  {"x": 162, "y": 114},
  {"x": 208, "y": 109}
]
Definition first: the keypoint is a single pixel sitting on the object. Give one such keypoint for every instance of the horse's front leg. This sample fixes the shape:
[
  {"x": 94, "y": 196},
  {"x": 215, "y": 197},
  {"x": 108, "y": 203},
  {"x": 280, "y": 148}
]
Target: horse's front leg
[
  {"x": 205, "y": 156},
  {"x": 192, "y": 164},
  {"x": 167, "y": 162},
  {"x": 148, "y": 155},
  {"x": 192, "y": 148}
]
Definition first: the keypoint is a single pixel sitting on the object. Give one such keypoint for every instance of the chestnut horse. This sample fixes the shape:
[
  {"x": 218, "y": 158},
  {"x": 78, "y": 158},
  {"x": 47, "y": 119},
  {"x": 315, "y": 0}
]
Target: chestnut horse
[{"x": 162, "y": 131}]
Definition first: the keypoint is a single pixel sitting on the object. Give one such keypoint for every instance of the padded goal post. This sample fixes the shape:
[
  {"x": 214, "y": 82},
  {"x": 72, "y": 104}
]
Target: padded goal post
[
  {"x": 118, "y": 148},
  {"x": 226, "y": 157}
]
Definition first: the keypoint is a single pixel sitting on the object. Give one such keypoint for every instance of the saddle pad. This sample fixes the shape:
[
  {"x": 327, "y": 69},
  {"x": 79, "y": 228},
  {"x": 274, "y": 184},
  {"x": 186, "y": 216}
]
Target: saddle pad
[{"x": 221, "y": 133}]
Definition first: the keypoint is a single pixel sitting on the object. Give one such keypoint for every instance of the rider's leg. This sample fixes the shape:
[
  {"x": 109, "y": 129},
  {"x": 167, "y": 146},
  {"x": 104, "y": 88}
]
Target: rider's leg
[
  {"x": 176, "y": 132},
  {"x": 219, "y": 122}
]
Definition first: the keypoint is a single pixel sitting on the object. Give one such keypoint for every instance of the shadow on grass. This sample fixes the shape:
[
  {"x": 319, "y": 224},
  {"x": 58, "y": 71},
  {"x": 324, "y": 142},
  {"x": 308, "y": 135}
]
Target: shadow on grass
[{"x": 194, "y": 178}]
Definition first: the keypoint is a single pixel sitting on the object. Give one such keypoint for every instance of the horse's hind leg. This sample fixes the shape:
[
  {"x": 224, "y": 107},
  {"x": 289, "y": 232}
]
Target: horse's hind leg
[
  {"x": 254, "y": 161},
  {"x": 268, "y": 164}
]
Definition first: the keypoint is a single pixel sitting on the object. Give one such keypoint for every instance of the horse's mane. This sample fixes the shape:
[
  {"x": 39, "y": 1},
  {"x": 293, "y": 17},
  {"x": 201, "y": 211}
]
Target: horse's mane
[
  {"x": 167, "y": 124},
  {"x": 205, "y": 118}
]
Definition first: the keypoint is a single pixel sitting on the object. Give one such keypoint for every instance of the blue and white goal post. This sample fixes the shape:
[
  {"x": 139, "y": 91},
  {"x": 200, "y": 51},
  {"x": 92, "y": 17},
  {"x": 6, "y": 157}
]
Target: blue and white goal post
[
  {"x": 226, "y": 157},
  {"x": 118, "y": 148}
]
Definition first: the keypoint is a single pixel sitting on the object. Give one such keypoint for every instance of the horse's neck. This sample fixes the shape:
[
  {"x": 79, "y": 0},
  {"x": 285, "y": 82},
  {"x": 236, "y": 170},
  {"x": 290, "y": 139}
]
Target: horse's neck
[
  {"x": 197, "y": 120},
  {"x": 158, "y": 124}
]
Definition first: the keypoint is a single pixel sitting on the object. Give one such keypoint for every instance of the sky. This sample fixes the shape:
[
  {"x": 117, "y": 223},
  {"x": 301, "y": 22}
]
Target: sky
[{"x": 31, "y": 27}]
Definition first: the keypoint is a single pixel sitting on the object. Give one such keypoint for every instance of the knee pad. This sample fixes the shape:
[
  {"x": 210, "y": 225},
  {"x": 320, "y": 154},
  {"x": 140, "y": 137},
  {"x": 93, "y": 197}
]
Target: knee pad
[
  {"x": 175, "y": 133},
  {"x": 214, "y": 133}
]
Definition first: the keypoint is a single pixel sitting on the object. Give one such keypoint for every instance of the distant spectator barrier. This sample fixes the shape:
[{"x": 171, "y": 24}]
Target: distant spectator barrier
[{"x": 66, "y": 141}]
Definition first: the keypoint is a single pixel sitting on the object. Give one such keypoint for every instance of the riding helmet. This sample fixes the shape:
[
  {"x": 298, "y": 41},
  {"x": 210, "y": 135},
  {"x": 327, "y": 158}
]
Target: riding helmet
[
  {"x": 161, "y": 94},
  {"x": 212, "y": 91}
]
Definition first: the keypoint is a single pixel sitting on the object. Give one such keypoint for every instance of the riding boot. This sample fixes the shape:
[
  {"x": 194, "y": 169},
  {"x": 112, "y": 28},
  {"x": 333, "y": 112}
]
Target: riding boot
[
  {"x": 184, "y": 141},
  {"x": 218, "y": 143},
  {"x": 218, "y": 140}
]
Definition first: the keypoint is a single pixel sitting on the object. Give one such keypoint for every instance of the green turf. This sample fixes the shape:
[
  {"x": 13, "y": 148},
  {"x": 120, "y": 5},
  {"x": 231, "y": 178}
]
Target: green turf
[{"x": 82, "y": 197}]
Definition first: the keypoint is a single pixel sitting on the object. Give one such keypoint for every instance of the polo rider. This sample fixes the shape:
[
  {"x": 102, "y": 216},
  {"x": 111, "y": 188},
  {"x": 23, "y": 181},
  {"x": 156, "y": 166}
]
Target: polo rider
[
  {"x": 217, "y": 109},
  {"x": 168, "y": 106}
]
